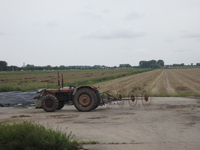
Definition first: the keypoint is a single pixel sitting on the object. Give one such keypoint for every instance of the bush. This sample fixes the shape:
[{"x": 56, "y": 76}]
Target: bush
[{"x": 31, "y": 136}]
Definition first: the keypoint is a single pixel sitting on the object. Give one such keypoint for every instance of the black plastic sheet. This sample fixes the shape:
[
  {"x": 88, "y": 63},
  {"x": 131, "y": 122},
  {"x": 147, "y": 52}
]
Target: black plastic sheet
[{"x": 17, "y": 98}]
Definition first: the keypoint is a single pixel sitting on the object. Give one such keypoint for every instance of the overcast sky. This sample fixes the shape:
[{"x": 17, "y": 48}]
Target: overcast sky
[{"x": 99, "y": 32}]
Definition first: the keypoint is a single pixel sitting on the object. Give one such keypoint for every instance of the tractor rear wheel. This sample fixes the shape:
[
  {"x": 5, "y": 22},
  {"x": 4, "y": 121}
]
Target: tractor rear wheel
[
  {"x": 60, "y": 105},
  {"x": 49, "y": 103},
  {"x": 98, "y": 99},
  {"x": 85, "y": 99}
]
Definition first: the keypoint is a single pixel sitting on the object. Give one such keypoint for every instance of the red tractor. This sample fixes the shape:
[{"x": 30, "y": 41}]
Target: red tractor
[{"x": 84, "y": 98}]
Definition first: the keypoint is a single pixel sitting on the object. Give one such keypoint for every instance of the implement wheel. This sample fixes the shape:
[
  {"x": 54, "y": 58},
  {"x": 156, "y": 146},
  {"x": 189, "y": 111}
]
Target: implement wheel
[
  {"x": 132, "y": 96},
  {"x": 120, "y": 96},
  {"x": 146, "y": 100},
  {"x": 49, "y": 103},
  {"x": 85, "y": 100}
]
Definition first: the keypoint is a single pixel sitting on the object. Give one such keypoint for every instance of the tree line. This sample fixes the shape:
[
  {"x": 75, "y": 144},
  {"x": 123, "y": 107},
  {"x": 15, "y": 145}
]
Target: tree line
[
  {"x": 29, "y": 67},
  {"x": 142, "y": 64},
  {"x": 151, "y": 64},
  {"x": 4, "y": 67}
]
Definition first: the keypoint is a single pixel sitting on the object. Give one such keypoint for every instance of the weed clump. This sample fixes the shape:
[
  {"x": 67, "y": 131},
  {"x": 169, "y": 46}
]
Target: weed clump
[{"x": 26, "y": 135}]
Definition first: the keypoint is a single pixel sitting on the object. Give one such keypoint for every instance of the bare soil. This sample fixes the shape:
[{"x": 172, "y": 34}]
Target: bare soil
[{"x": 165, "y": 81}]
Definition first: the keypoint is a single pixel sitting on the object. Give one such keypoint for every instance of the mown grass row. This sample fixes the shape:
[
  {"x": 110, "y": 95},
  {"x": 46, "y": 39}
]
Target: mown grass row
[
  {"x": 142, "y": 94},
  {"x": 11, "y": 87},
  {"x": 108, "y": 78},
  {"x": 175, "y": 95}
]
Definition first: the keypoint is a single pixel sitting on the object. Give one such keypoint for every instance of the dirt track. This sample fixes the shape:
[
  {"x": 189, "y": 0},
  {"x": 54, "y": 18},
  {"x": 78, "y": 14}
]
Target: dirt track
[
  {"x": 168, "y": 123},
  {"x": 165, "y": 81}
]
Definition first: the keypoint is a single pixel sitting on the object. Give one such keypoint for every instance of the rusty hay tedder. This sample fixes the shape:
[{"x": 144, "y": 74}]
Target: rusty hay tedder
[{"x": 84, "y": 98}]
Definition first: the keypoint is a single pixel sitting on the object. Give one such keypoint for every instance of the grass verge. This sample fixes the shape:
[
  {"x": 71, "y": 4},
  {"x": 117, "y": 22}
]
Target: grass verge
[{"x": 27, "y": 135}]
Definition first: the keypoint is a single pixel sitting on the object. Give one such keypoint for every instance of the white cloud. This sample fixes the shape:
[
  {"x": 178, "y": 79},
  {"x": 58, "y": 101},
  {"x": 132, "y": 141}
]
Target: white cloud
[
  {"x": 123, "y": 51},
  {"x": 169, "y": 40},
  {"x": 192, "y": 36},
  {"x": 182, "y": 50},
  {"x": 90, "y": 15},
  {"x": 52, "y": 24},
  {"x": 143, "y": 50},
  {"x": 2, "y": 33},
  {"x": 133, "y": 15},
  {"x": 189, "y": 34},
  {"x": 106, "y": 11},
  {"x": 107, "y": 33}
]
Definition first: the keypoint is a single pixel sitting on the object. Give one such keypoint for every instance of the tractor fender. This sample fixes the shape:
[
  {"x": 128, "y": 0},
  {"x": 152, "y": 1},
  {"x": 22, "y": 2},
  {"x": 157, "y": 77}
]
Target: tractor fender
[
  {"x": 43, "y": 92},
  {"x": 92, "y": 87}
]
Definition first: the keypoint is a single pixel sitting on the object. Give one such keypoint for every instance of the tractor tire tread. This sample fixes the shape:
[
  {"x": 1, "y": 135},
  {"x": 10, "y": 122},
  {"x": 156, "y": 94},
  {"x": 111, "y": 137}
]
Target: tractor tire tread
[
  {"x": 92, "y": 96},
  {"x": 54, "y": 107},
  {"x": 61, "y": 104}
]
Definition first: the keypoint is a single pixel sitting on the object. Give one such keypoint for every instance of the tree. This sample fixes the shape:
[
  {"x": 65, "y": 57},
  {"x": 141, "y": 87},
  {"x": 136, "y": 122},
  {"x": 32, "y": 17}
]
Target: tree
[
  {"x": 151, "y": 64},
  {"x": 48, "y": 67},
  {"x": 160, "y": 63},
  {"x": 30, "y": 67},
  {"x": 62, "y": 67},
  {"x": 142, "y": 63},
  {"x": 179, "y": 65},
  {"x": 13, "y": 68},
  {"x": 124, "y": 66},
  {"x": 96, "y": 67},
  {"x": 3, "y": 66}
]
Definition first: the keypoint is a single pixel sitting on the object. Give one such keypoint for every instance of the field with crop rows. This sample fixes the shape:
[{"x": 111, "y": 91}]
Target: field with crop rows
[
  {"x": 160, "y": 82},
  {"x": 24, "y": 81}
]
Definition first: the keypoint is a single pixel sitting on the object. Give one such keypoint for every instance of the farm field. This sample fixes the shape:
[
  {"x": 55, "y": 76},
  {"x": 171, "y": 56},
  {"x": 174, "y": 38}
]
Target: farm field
[
  {"x": 160, "y": 82},
  {"x": 24, "y": 81}
]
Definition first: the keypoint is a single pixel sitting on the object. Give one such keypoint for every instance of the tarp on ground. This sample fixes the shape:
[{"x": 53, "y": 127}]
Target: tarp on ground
[{"x": 17, "y": 98}]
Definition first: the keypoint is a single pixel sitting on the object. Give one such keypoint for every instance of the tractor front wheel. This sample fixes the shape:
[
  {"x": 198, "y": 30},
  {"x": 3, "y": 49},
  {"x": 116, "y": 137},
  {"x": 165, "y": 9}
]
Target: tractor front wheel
[
  {"x": 85, "y": 100},
  {"x": 49, "y": 103}
]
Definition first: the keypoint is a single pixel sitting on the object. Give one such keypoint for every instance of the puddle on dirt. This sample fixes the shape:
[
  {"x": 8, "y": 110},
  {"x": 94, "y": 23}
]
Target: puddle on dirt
[
  {"x": 20, "y": 116},
  {"x": 68, "y": 120},
  {"x": 115, "y": 118},
  {"x": 167, "y": 106},
  {"x": 63, "y": 116},
  {"x": 177, "y": 106},
  {"x": 195, "y": 118},
  {"x": 125, "y": 113},
  {"x": 80, "y": 121},
  {"x": 98, "y": 117}
]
